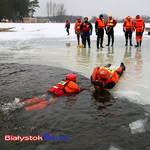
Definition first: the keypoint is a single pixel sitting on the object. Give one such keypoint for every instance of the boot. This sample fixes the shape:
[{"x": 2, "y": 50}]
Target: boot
[
  {"x": 126, "y": 43},
  {"x": 108, "y": 65},
  {"x": 137, "y": 44},
  {"x": 123, "y": 66},
  {"x": 97, "y": 44},
  {"x": 89, "y": 44},
  {"x": 140, "y": 43},
  {"x": 131, "y": 43}
]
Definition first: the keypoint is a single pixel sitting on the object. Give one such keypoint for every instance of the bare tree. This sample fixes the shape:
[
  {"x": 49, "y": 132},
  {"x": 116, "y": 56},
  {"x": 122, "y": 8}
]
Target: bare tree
[
  {"x": 61, "y": 12},
  {"x": 48, "y": 10},
  {"x": 54, "y": 11}
]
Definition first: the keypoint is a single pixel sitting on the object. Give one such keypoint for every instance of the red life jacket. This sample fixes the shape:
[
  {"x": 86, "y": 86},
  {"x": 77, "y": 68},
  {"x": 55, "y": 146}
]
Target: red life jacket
[
  {"x": 59, "y": 88},
  {"x": 86, "y": 27},
  {"x": 110, "y": 23},
  {"x": 139, "y": 24},
  {"x": 129, "y": 24},
  {"x": 101, "y": 23},
  {"x": 67, "y": 24}
]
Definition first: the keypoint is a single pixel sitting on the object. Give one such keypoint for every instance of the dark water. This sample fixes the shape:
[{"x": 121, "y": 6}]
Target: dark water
[{"x": 91, "y": 120}]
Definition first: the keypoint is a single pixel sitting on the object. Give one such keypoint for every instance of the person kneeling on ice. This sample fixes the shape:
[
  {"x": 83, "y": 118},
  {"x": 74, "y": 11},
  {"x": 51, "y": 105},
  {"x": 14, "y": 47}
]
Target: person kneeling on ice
[
  {"x": 105, "y": 77},
  {"x": 64, "y": 87}
]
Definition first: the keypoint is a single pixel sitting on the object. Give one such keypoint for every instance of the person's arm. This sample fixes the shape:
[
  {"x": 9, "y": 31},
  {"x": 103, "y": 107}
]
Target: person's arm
[
  {"x": 69, "y": 25},
  {"x": 108, "y": 85},
  {"x": 124, "y": 25},
  {"x": 133, "y": 27},
  {"x": 81, "y": 27},
  {"x": 75, "y": 27},
  {"x": 96, "y": 24},
  {"x": 91, "y": 27},
  {"x": 114, "y": 23}
]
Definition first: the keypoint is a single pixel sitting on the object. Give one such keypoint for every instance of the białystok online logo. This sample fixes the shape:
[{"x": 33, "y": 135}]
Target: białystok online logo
[{"x": 46, "y": 137}]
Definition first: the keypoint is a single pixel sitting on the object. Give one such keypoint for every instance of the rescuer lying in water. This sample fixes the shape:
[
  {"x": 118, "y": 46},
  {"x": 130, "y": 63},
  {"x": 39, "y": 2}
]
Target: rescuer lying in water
[
  {"x": 64, "y": 87},
  {"x": 105, "y": 77}
]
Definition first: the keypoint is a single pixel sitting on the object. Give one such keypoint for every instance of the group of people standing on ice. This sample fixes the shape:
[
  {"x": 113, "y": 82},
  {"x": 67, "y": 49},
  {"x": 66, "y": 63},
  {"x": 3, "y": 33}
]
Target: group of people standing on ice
[{"x": 84, "y": 30}]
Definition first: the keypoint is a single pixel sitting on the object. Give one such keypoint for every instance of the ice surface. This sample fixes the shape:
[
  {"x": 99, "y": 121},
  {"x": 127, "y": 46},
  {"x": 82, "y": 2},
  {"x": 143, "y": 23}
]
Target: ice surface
[
  {"x": 112, "y": 147},
  {"x": 46, "y": 44},
  {"x": 138, "y": 126}
]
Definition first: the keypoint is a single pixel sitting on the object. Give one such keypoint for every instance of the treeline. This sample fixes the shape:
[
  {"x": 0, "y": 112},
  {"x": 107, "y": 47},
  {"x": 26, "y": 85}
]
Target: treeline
[
  {"x": 55, "y": 12},
  {"x": 105, "y": 16},
  {"x": 17, "y": 9}
]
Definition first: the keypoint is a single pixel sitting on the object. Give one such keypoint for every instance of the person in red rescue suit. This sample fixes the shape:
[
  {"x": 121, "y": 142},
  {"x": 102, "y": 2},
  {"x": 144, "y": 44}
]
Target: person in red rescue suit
[
  {"x": 111, "y": 23},
  {"x": 99, "y": 29},
  {"x": 77, "y": 30},
  {"x": 86, "y": 30},
  {"x": 139, "y": 26},
  {"x": 127, "y": 28},
  {"x": 67, "y": 26},
  {"x": 64, "y": 87},
  {"x": 105, "y": 77}
]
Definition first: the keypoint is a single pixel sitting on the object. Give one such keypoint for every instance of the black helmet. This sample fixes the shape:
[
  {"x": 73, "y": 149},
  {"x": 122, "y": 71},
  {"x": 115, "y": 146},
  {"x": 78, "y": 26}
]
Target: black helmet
[{"x": 100, "y": 16}]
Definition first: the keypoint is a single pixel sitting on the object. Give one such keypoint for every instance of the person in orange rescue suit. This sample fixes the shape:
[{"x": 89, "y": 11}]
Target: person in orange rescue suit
[
  {"x": 111, "y": 23},
  {"x": 86, "y": 30},
  {"x": 99, "y": 29},
  {"x": 67, "y": 26},
  {"x": 127, "y": 28},
  {"x": 139, "y": 26},
  {"x": 77, "y": 30},
  {"x": 64, "y": 87},
  {"x": 105, "y": 77}
]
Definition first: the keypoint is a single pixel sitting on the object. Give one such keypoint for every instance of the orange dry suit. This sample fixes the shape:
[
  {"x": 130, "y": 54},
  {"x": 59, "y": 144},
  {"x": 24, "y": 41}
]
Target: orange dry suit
[
  {"x": 77, "y": 27},
  {"x": 113, "y": 77},
  {"x": 139, "y": 26},
  {"x": 60, "y": 89}
]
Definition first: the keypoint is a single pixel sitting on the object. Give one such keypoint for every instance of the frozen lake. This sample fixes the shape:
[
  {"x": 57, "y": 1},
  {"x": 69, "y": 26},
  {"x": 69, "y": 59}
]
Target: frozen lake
[
  {"x": 48, "y": 44},
  {"x": 29, "y": 58}
]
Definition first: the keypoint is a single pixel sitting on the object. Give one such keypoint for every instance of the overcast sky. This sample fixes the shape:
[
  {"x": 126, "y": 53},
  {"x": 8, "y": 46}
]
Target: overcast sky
[{"x": 118, "y": 8}]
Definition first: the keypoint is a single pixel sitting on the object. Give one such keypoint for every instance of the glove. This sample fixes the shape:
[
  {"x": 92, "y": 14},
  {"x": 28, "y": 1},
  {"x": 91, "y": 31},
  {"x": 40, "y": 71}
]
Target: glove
[
  {"x": 124, "y": 31},
  {"x": 75, "y": 32},
  {"x": 81, "y": 33},
  {"x": 108, "y": 65},
  {"x": 90, "y": 33},
  {"x": 97, "y": 84}
]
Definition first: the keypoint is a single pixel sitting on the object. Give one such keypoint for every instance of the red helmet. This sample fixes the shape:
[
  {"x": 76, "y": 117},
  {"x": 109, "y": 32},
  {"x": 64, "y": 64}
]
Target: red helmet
[
  {"x": 78, "y": 18},
  {"x": 138, "y": 17},
  {"x": 104, "y": 73},
  {"x": 71, "y": 77},
  {"x": 67, "y": 20}
]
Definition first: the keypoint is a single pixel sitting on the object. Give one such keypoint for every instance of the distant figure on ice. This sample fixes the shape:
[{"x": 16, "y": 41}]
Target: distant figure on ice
[
  {"x": 105, "y": 77},
  {"x": 64, "y": 87},
  {"x": 67, "y": 26},
  {"x": 111, "y": 23},
  {"x": 99, "y": 29},
  {"x": 139, "y": 26},
  {"x": 77, "y": 30},
  {"x": 127, "y": 28},
  {"x": 86, "y": 30}
]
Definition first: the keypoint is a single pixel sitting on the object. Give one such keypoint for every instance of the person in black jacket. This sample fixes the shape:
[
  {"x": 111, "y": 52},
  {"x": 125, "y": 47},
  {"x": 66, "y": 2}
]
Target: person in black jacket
[
  {"x": 99, "y": 29},
  {"x": 86, "y": 30},
  {"x": 67, "y": 26}
]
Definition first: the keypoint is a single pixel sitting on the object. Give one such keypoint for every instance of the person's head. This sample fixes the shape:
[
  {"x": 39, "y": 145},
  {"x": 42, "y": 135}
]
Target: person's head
[
  {"x": 103, "y": 74},
  {"x": 85, "y": 18},
  {"x": 67, "y": 20},
  {"x": 138, "y": 17},
  {"x": 101, "y": 16},
  {"x": 71, "y": 77},
  {"x": 128, "y": 18},
  {"x": 110, "y": 16},
  {"x": 78, "y": 19}
]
